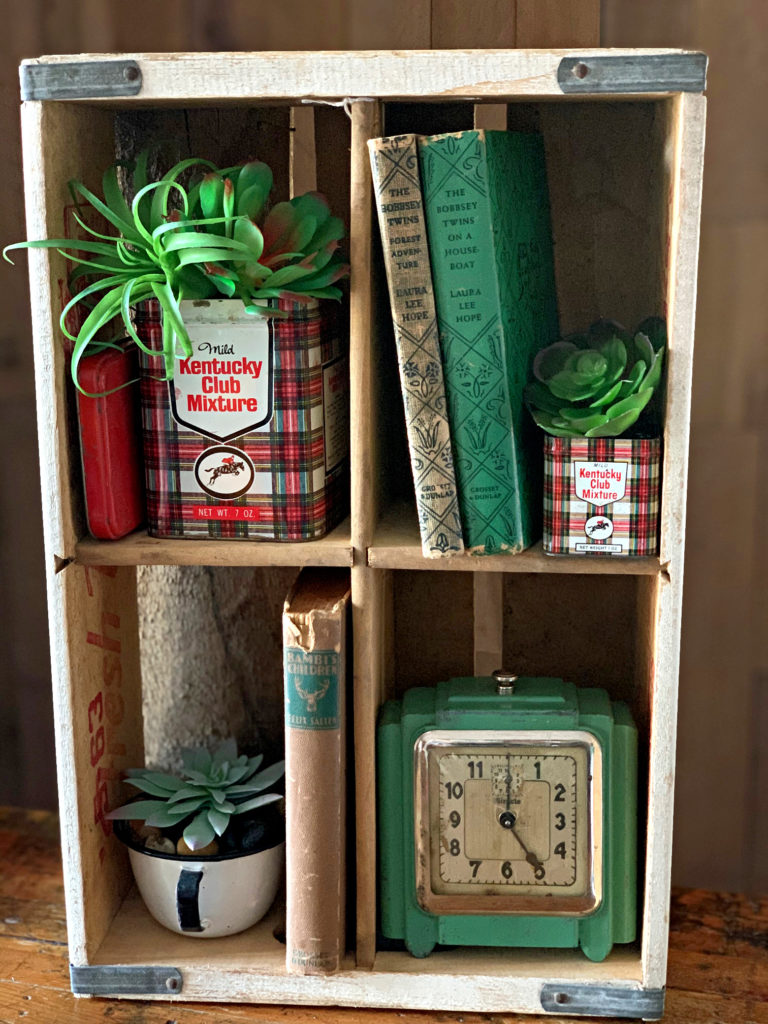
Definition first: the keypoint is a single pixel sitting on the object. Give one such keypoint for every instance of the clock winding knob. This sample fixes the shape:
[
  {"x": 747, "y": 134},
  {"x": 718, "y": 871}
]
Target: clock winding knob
[{"x": 505, "y": 682}]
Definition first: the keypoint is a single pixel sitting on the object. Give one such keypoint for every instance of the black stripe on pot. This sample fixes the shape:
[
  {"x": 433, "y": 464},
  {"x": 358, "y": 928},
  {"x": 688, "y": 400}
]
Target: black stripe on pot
[{"x": 187, "y": 907}]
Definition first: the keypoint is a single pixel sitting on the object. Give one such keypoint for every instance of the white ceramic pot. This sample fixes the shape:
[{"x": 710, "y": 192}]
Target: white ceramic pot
[{"x": 209, "y": 897}]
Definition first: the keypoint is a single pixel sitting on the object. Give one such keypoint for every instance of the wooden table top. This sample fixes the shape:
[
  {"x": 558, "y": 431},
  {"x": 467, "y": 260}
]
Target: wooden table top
[{"x": 718, "y": 964}]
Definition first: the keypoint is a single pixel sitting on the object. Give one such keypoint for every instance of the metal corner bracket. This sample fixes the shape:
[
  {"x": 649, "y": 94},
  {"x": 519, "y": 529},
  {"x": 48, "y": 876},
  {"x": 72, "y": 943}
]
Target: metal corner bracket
[
  {"x": 603, "y": 1001},
  {"x": 633, "y": 73},
  {"x": 118, "y": 980},
  {"x": 80, "y": 80}
]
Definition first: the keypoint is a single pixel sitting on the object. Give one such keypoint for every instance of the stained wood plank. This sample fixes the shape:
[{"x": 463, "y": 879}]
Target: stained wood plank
[
  {"x": 552, "y": 23},
  {"x": 140, "y": 549},
  {"x": 457, "y": 24}
]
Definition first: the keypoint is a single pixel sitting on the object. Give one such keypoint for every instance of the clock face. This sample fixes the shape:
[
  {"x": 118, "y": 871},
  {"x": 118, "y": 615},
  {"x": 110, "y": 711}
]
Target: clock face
[{"x": 508, "y": 822}]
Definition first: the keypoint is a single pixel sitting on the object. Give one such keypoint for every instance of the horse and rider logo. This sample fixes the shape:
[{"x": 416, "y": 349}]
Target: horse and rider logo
[
  {"x": 224, "y": 472},
  {"x": 598, "y": 528}
]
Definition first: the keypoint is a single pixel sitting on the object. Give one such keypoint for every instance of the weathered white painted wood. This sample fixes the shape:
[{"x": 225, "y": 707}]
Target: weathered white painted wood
[
  {"x": 329, "y": 75},
  {"x": 251, "y": 968},
  {"x": 688, "y": 158}
]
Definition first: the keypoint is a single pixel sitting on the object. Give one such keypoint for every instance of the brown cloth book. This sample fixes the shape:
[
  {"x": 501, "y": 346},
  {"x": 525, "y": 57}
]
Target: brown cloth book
[{"x": 314, "y": 649}]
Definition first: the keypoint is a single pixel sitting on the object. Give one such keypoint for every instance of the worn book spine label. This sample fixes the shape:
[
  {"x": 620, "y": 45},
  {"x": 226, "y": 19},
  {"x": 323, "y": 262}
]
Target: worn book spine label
[
  {"x": 487, "y": 252},
  {"x": 315, "y": 780},
  {"x": 394, "y": 162}
]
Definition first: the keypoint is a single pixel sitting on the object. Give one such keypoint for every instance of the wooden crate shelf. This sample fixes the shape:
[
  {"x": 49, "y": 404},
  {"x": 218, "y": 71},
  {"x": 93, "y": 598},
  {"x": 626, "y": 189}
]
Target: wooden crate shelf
[
  {"x": 397, "y": 545},
  {"x": 626, "y": 242},
  {"x": 141, "y": 549}
]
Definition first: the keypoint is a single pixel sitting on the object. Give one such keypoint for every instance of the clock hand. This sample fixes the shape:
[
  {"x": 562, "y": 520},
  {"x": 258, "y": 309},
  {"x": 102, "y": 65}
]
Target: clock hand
[{"x": 508, "y": 820}]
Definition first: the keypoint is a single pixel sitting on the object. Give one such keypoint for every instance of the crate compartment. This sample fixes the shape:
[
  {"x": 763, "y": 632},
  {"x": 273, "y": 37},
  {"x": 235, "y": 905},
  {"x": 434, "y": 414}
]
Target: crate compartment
[
  {"x": 611, "y": 216},
  {"x": 302, "y": 148}
]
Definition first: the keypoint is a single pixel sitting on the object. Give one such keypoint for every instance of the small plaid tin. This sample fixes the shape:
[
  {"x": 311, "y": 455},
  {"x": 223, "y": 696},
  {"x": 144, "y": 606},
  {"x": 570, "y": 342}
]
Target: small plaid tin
[
  {"x": 601, "y": 495},
  {"x": 251, "y": 437}
]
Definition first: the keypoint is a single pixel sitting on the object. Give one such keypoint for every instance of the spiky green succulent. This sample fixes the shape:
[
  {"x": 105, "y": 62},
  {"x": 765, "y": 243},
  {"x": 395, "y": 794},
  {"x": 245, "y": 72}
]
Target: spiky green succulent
[
  {"x": 210, "y": 790},
  {"x": 596, "y": 384},
  {"x": 174, "y": 242}
]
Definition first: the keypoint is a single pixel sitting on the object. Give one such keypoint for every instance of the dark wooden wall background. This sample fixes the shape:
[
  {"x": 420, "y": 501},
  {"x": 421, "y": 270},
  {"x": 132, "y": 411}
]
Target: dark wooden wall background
[{"x": 722, "y": 788}]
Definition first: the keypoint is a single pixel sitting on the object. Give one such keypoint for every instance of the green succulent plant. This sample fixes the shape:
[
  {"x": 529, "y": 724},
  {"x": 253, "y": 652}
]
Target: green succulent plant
[
  {"x": 596, "y": 384},
  {"x": 174, "y": 242},
  {"x": 210, "y": 790}
]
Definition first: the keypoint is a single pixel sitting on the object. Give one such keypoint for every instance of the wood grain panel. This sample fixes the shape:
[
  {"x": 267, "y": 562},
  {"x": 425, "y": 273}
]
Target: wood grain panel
[{"x": 552, "y": 23}]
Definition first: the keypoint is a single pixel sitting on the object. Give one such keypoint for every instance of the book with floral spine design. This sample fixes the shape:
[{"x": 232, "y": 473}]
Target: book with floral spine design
[{"x": 395, "y": 167}]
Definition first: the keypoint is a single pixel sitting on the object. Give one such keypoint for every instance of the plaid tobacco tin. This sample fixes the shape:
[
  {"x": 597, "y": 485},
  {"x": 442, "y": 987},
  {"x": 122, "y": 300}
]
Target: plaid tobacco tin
[
  {"x": 251, "y": 437},
  {"x": 601, "y": 495}
]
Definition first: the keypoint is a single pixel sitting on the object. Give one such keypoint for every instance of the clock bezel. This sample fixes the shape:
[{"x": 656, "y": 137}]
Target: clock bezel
[{"x": 548, "y": 902}]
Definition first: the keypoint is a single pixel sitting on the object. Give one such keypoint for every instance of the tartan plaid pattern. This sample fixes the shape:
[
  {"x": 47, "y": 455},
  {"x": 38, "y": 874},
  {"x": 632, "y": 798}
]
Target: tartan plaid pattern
[
  {"x": 633, "y": 518},
  {"x": 294, "y": 497}
]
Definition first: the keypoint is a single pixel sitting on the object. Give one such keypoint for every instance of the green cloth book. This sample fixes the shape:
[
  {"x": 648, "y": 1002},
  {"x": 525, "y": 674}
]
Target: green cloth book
[{"x": 490, "y": 240}]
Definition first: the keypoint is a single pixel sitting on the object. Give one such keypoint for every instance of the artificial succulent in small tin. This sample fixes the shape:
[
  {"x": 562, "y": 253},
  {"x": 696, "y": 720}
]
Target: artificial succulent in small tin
[
  {"x": 209, "y": 791},
  {"x": 598, "y": 383}
]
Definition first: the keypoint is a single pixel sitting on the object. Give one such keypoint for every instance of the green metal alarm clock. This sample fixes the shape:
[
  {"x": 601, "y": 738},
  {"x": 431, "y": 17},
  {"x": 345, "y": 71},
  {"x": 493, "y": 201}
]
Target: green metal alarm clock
[{"x": 507, "y": 816}]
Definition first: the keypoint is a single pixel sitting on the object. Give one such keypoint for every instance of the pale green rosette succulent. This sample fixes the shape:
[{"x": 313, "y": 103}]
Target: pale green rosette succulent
[
  {"x": 210, "y": 790},
  {"x": 597, "y": 384}
]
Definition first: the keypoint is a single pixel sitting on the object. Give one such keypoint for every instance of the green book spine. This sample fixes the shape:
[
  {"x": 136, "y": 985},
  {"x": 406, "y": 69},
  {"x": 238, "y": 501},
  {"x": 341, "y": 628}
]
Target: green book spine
[
  {"x": 395, "y": 167},
  {"x": 490, "y": 241}
]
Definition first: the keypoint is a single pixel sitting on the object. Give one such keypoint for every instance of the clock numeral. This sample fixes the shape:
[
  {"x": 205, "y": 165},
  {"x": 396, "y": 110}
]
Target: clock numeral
[
  {"x": 559, "y": 793},
  {"x": 537, "y": 766},
  {"x": 455, "y": 790},
  {"x": 455, "y": 818},
  {"x": 506, "y": 869},
  {"x": 455, "y": 848},
  {"x": 539, "y": 872},
  {"x": 475, "y": 765},
  {"x": 560, "y": 850},
  {"x": 475, "y": 865},
  {"x": 560, "y": 819}
]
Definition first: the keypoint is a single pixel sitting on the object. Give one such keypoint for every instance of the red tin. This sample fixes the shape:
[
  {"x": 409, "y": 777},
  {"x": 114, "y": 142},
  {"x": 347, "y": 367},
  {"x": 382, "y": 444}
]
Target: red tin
[{"x": 110, "y": 443}]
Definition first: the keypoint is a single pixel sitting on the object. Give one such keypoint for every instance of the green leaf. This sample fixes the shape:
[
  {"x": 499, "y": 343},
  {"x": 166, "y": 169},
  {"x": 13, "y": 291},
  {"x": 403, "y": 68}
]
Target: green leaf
[
  {"x": 582, "y": 420},
  {"x": 250, "y": 236},
  {"x": 286, "y": 275},
  {"x": 546, "y": 422},
  {"x": 607, "y": 396},
  {"x": 105, "y": 309},
  {"x": 226, "y": 751},
  {"x": 258, "y": 801},
  {"x": 114, "y": 198},
  {"x": 268, "y": 776},
  {"x": 205, "y": 240},
  {"x": 551, "y": 360},
  {"x": 199, "y": 832},
  {"x": 574, "y": 387},
  {"x": 211, "y": 194},
  {"x": 252, "y": 176},
  {"x": 250, "y": 203},
  {"x": 125, "y": 227},
  {"x": 218, "y": 821},
  {"x": 196, "y": 759},
  {"x": 189, "y": 793},
  {"x": 615, "y": 427},
  {"x": 171, "y": 783},
  {"x": 653, "y": 377},
  {"x": 139, "y": 810},
  {"x": 634, "y": 402}
]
